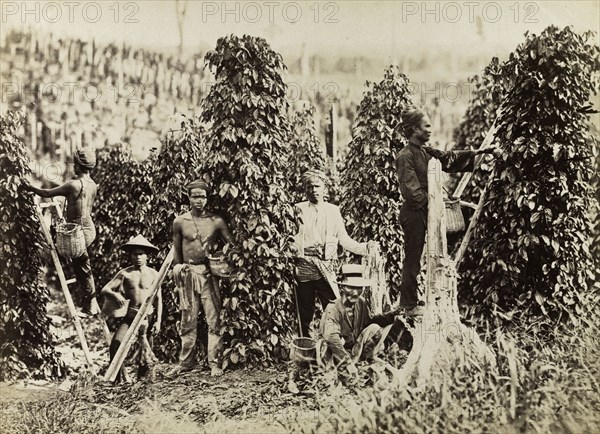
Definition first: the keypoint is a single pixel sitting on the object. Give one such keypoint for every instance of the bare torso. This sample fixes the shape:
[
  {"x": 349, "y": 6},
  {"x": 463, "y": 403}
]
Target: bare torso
[
  {"x": 197, "y": 234},
  {"x": 137, "y": 284},
  {"x": 81, "y": 200}
]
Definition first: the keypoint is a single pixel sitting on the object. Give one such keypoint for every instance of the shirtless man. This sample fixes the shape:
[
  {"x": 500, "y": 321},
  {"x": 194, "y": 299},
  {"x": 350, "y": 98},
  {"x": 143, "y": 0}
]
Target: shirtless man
[
  {"x": 194, "y": 234},
  {"x": 80, "y": 193},
  {"x": 133, "y": 283}
]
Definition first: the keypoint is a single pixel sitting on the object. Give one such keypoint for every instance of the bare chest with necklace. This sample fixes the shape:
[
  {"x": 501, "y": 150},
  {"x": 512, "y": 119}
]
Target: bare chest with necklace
[{"x": 200, "y": 229}]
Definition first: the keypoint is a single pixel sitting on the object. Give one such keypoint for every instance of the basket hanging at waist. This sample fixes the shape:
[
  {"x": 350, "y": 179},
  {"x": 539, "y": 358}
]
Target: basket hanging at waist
[
  {"x": 70, "y": 240},
  {"x": 218, "y": 266},
  {"x": 455, "y": 222}
]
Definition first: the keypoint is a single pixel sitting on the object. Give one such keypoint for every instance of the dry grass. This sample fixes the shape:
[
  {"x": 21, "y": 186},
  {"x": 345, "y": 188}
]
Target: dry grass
[{"x": 542, "y": 385}]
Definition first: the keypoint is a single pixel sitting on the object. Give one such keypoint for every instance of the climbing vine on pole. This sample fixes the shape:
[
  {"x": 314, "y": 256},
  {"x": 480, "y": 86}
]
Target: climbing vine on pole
[
  {"x": 248, "y": 151},
  {"x": 371, "y": 197},
  {"x": 530, "y": 256},
  {"x": 27, "y": 345}
]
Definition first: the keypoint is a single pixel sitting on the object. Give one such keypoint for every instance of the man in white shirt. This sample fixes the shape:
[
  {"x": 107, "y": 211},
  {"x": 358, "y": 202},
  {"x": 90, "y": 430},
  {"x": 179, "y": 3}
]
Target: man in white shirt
[{"x": 321, "y": 230}]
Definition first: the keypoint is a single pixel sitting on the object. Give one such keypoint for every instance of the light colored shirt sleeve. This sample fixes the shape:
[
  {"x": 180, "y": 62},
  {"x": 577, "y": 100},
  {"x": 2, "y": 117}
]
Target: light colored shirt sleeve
[{"x": 345, "y": 240}]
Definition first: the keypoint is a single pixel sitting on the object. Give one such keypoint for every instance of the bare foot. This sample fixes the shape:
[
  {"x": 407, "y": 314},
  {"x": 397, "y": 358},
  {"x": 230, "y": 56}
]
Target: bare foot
[
  {"x": 216, "y": 372},
  {"x": 178, "y": 369}
]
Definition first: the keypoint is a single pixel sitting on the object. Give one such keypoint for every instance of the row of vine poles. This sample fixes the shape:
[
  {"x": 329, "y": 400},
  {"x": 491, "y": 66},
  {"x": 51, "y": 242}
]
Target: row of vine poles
[
  {"x": 253, "y": 162},
  {"x": 252, "y": 157}
]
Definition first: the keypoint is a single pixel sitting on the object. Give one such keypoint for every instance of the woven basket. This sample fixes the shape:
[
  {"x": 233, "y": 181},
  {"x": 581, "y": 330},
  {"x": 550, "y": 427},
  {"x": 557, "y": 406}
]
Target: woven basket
[
  {"x": 303, "y": 351},
  {"x": 70, "y": 240},
  {"x": 218, "y": 266},
  {"x": 455, "y": 222}
]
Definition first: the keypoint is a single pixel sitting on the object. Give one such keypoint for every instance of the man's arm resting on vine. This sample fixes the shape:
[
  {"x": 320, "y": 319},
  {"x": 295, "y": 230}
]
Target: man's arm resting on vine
[{"x": 64, "y": 190}]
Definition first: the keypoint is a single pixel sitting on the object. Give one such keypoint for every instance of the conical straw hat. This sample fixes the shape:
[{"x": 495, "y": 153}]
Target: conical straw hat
[{"x": 139, "y": 241}]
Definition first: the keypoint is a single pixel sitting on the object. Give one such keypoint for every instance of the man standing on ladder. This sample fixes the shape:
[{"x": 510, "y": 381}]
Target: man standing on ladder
[
  {"x": 80, "y": 193},
  {"x": 411, "y": 164}
]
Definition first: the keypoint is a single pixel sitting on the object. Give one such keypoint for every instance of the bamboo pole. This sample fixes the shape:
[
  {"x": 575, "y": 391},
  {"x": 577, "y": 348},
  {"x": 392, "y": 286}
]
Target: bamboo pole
[
  {"x": 468, "y": 204},
  {"x": 298, "y": 312},
  {"x": 460, "y": 188},
  {"x": 487, "y": 141},
  {"x": 331, "y": 139},
  {"x": 115, "y": 365},
  {"x": 64, "y": 286}
]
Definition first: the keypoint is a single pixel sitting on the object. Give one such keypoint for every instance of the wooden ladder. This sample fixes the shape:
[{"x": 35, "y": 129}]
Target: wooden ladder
[
  {"x": 460, "y": 188},
  {"x": 64, "y": 283}
]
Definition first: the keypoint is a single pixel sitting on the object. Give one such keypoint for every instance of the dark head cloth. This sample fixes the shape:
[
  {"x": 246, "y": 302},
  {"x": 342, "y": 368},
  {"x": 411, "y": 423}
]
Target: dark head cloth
[
  {"x": 411, "y": 120},
  {"x": 198, "y": 183},
  {"x": 85, "y": 157}
]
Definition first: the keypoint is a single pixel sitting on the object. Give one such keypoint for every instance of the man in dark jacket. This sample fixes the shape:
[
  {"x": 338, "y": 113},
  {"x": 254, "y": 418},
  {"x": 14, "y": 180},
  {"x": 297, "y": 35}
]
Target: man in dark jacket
[{"x": 412, "y": 164}]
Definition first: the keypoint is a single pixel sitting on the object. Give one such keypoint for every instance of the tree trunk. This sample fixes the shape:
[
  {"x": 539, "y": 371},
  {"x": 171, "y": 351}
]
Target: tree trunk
[{"x": 440, "y": 340}]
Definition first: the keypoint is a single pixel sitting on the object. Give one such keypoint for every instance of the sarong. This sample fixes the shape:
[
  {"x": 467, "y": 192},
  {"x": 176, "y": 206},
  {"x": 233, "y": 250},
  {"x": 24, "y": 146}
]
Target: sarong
[{"x": 195, "y": 285}]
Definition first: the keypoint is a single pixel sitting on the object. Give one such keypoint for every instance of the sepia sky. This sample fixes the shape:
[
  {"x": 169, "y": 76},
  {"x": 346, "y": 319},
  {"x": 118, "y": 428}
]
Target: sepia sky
[{"x": 341, "y": 27}]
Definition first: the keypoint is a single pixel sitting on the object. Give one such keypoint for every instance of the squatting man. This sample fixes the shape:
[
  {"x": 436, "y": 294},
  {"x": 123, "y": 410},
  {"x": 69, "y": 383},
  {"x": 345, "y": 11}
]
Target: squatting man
[{"x": 349, "y": 331}]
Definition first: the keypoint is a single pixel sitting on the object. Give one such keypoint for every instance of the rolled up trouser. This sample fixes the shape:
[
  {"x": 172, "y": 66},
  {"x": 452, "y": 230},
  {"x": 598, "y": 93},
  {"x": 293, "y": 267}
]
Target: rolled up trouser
[
  {"x": 82, "y": 267},
  {"x": 197, "y": 286}
]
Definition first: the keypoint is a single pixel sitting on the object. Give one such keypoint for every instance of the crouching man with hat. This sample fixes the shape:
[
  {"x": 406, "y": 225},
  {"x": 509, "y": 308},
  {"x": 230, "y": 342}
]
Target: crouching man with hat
[
  {"x": 348, "y": 330},
  {"x": 132, "y": 285}
]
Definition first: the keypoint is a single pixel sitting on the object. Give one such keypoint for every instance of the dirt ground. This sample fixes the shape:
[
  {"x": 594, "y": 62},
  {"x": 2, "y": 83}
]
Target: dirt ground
[{"x": 241, "y": 401}]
